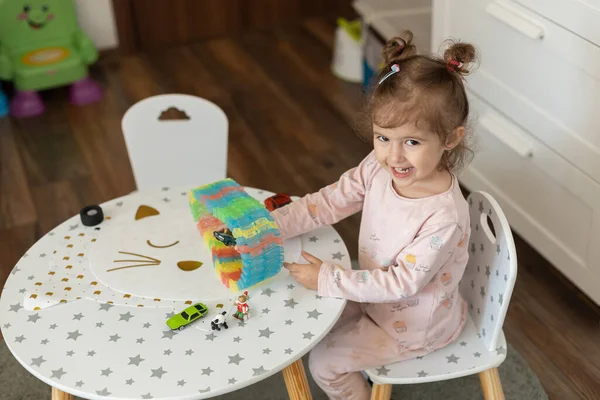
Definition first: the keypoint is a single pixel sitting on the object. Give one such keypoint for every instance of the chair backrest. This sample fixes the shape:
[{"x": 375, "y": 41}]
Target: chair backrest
[
  {"x": 188, "y": 151},
  {"x": 491, "y": 272}
]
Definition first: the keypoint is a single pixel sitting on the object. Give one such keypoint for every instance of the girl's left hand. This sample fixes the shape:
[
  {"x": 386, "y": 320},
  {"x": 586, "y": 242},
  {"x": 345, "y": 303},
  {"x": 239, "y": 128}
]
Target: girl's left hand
[{"x": 306, "y": 274}]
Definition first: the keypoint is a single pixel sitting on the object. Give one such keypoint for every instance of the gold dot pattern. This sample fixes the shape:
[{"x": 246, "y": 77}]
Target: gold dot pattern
[{"x": 69, "y": 271}]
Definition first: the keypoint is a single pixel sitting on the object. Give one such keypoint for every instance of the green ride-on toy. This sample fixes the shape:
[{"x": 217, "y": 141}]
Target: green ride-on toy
[
  {"x": 43, "y": 47},
  {"x": 186, "y": 317}
]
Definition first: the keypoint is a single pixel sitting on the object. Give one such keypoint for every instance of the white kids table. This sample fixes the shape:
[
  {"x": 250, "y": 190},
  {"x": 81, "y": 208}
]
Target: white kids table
[{"x": 83, "y": 325}]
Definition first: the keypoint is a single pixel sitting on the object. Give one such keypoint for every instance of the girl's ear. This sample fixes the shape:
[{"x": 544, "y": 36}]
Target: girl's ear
[{"x": 454, "y": 138}]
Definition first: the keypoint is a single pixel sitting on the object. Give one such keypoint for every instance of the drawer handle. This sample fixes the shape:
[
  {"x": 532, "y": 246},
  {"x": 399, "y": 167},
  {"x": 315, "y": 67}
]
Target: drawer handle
[
  {"x": 515, "y": 18},
  {"x": 508, "y": 134}
]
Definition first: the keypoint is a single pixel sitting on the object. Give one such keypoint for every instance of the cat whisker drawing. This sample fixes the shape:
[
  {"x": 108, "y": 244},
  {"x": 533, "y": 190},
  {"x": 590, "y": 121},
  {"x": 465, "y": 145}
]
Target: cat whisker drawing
[{"x": 145, "y": 261}]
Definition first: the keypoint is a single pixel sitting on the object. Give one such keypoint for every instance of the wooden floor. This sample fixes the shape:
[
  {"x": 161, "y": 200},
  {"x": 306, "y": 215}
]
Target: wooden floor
[{"x": 290, "y": 130}]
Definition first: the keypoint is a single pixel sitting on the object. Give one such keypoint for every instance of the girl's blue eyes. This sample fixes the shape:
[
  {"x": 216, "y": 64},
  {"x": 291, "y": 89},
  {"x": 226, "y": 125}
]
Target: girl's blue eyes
[{"x": 410, "y": 142}]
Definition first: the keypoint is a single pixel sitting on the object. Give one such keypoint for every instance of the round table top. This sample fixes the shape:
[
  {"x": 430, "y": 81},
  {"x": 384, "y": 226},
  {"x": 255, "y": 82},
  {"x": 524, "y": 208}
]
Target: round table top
[{"x": 77, "y": 321}]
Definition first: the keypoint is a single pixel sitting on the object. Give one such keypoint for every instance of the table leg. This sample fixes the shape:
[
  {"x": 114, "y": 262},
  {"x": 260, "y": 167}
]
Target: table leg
[
  {"x": 296, "y": 382},
  {"x": 60, "y": 395}
]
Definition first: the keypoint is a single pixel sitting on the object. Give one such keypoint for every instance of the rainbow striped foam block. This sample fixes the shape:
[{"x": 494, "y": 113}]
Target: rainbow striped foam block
[{"x": 259, "y": 242}]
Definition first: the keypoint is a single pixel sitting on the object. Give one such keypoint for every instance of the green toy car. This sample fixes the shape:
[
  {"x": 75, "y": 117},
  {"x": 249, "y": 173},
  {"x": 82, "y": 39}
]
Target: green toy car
[{"x": 184, "y": 318}]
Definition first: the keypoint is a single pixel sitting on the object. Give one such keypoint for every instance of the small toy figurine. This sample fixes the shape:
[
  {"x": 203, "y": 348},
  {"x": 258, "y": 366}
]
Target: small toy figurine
[
  {"x": 277, "y": 201},
  {"x": 242, "y": 307},
  {"x": 219, "y": 321},
  {"x": 226, "y": 238}
]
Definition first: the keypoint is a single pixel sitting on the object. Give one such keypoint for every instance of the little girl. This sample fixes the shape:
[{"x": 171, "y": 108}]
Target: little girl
[{"x": 404, "y": 300}]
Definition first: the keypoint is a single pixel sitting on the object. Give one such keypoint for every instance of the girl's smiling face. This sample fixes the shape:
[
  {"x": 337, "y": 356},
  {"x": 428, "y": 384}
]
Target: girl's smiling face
[{"x": 412, "y": 157}]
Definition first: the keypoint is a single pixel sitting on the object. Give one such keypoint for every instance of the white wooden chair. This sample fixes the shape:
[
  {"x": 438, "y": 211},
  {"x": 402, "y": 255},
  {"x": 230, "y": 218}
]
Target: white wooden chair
[
  {"x": 184, "y": 152},
  {"x": 487, "y": 287}
]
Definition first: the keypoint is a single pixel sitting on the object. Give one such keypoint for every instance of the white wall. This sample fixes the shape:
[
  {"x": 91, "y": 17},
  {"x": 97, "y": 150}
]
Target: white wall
[{"x": 97, "y": 19}]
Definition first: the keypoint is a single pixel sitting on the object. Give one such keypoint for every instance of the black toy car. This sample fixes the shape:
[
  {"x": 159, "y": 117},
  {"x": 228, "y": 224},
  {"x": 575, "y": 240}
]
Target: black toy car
[{"x": 225, "y": 238}]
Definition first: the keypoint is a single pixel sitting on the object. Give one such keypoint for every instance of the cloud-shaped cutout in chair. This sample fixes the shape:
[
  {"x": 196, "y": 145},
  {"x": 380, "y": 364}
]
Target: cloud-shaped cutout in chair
[{"x": 259, "y": 241}]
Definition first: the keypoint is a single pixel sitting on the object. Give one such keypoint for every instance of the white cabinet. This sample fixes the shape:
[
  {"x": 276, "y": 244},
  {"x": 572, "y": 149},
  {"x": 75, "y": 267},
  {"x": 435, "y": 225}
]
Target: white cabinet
[{"x": 536, "y": 104}]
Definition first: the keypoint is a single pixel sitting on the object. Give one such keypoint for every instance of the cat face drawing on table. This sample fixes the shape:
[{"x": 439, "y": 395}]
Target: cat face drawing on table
[{"x": 158, "y": 256}]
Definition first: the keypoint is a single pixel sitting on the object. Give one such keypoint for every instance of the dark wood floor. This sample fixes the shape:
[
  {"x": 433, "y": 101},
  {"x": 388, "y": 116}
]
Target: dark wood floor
[{"x": 290, "y": 130}]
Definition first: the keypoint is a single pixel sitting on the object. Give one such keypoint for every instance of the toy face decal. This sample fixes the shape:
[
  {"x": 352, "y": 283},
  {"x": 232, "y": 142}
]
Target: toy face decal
[{"x": 36, "y": 16}]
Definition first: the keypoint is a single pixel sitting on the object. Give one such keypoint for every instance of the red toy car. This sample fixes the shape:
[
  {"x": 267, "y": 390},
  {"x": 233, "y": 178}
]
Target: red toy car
[{"x": 277, "y": 201}]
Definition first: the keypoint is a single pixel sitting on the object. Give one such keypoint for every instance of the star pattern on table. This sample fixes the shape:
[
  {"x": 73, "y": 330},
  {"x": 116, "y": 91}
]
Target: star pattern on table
[
  {"x": 44, "y": 342},
  {"x": 17, "y": 269},
  {"x": 6, "y": 326},
  {"x": 258, "y": 371},
  {"x": 291, "y": 303},
  {"x": 103, "y": 392},
  {"x": 73, "y": 227},
  {"x": 158, "y": 372},
  {"x": 105, "y": 306},
  {"x": 422, "y": 374},
  {"x": 114, "y": 338},
  {"x": 487, "y": 271},
  {"x": 135, "y": 360},
  {"x": 74, "y": 335},
  {"x": 70, "y": 353},
  {"x": 337, "y": 256},
  {"x": 140, "y": 340},
  {"x": 204, "y": 390},
  {"x": 211, "y": 336},
  {"x": 33, "y": 318},
  {"x": 30, "y": 277},
  {"x": 126, "y": 317},
  {"x": 241, "y": 323},
  {"x": 37, "y": 361},
  {"x": 57, "y": 373},
  {"x": 235, "y": 359},
  {"x": 477, "y": 354},
  {"x": 308, "y": 335},
  {"x": 482, "y": 292},
  {"x": 168, "y": 334},
  {"x": 237, "y": 339},
  {"x": 452, "y": 359},
  {"x": 500, "y": 350},
  {"x": 116, "y": 378},
  {"x": 78, "y": 316},
  {"x": 500, "y": 298},
  {"x": 463, "y": 344},
  {"x": 15, "y": 307},
  {"x": 383, "y": 371},
  {"x": 265, "y": 333}
]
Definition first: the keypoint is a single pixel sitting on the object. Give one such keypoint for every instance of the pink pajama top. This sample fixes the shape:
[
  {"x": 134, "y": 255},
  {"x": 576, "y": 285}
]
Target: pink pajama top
[{"x": 412, "y": 253}]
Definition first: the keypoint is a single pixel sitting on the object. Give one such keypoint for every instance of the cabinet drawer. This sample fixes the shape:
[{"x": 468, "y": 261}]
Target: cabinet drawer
[
  {"x": 581, "y": 17},
  {"x": 541, "y": 75},
  {"x": 535, "y": 179}
]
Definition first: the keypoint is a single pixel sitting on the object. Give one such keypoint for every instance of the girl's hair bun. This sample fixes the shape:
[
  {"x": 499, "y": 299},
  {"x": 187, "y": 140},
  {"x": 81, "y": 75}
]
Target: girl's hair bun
[
  {"x": 399, "y": 48},
  {"x": 460, "y": 57}
]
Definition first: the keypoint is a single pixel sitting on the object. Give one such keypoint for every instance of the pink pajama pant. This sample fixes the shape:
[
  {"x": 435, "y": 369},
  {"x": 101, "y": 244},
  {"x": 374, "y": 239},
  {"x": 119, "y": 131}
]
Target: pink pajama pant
[{"x": 354, "y": 344}]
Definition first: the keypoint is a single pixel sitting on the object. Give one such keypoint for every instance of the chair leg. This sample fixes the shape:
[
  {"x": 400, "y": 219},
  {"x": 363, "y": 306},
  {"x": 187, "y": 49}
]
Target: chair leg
[
  {"x": 60, "y": 395},
  {"x": 296, "y": 382},
  {"x": 490, "y": 384},
  {"x": 381, "y": 392}
]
